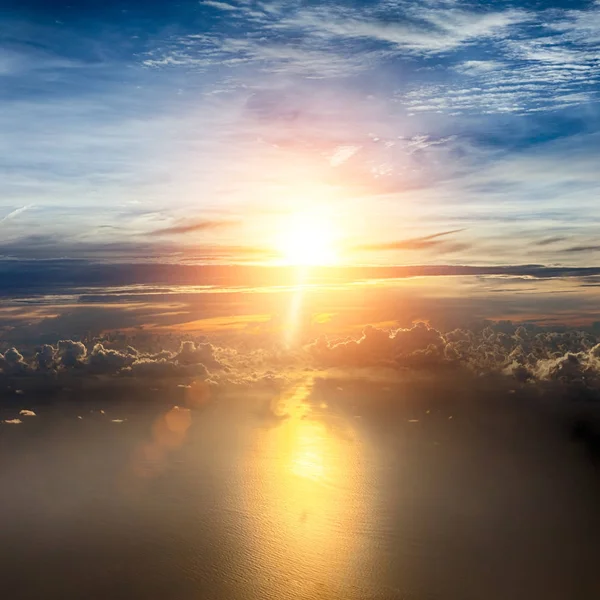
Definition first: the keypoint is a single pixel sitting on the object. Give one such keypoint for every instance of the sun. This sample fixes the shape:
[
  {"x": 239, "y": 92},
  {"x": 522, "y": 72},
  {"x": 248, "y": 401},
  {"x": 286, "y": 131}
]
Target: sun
[{"x": 307, "y": 239}]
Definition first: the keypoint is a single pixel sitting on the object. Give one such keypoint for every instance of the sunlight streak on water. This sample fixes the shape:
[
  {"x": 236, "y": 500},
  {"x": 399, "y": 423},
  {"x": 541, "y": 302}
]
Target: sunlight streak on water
[
  {"x": 307, "y": 499},
  {"x": 259, "y": 498}
]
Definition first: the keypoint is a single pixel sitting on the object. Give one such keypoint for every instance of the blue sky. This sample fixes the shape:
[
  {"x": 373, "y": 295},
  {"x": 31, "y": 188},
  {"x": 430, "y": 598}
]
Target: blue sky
[{"x": 188, "y": 131}]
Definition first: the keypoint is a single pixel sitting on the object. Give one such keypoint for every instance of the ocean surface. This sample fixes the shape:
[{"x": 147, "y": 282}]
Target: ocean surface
[{"x": 329, "y": 491}]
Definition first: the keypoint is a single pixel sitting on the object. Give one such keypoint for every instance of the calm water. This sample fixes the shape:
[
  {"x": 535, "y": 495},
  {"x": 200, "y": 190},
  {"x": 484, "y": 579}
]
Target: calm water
[{"x": 335, "y": 492}]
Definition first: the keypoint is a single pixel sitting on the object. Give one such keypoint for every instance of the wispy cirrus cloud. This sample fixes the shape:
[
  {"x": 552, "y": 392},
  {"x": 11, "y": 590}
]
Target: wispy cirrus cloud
[
  {"x": 331, "y": 41},
  {"x": 422, "y": 30},
  {"x": 546, "y": 68},
  {"x": 583, "y": 249},
  {"x": 48, "y": 247},
  {"x": 15, "y": 213},
  {"x": 531, "y": 68},
  {"x": 342, "y": 154},
  {"x": 580, "y": 26},
  {"x": 220, "y": 5},
  {"x": 193, "y": 227},
  {"x": 417, "y": 243},
  {"x": 302, "y": 57},
  {"x": 551, "y": 240}
]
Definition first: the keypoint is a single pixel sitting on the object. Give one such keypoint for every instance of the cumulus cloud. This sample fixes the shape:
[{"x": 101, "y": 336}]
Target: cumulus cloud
[
  {"x": 524, "y": 354},
  {"x": 192, "y": 359},
  {"x": 376, "y": 346},
  {"x": 191, "y": 353},
  {"x": 12, "y": 361},
  {"x": 106, "y": 360},
  {"x": 45, "y": 357},
  {"x": 163, "y": 367},
  {"x": 68, "y": 356}
]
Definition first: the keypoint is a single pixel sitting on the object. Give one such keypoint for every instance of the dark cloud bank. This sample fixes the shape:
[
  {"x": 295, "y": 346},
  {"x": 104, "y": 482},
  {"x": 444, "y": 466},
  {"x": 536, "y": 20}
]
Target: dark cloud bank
[{"x": 52, "y": 276}]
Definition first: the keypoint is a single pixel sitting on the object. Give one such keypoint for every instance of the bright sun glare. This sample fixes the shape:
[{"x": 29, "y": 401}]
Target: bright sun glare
[{"x": 308, "y": 239}]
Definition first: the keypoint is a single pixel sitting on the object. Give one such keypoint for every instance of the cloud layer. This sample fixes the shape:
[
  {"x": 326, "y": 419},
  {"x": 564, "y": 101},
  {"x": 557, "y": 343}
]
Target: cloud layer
[{"x": 523, "y": 354}]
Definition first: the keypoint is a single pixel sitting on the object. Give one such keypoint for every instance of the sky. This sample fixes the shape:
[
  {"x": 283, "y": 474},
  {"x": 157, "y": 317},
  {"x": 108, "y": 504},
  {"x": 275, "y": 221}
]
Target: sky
[
  {"x": 192, "y": 145},
  {"x": 300, "y": 298},
  {"x": 150, "y": 129}
]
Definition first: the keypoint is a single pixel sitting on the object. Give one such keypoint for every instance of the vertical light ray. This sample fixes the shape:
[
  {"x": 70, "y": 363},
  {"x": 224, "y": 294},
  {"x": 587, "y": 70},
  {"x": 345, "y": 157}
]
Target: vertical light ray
[{"x": 293, "y": 322}]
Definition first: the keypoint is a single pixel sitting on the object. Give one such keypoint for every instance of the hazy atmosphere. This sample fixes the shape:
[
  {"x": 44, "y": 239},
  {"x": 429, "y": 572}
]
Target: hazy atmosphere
[{"x": 299, "y": 300}]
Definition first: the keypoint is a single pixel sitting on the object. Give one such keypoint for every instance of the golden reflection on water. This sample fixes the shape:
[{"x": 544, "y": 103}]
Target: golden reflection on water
[
  {"x": 307, "y": 500},
  {"x": 307, "y": 458}
]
